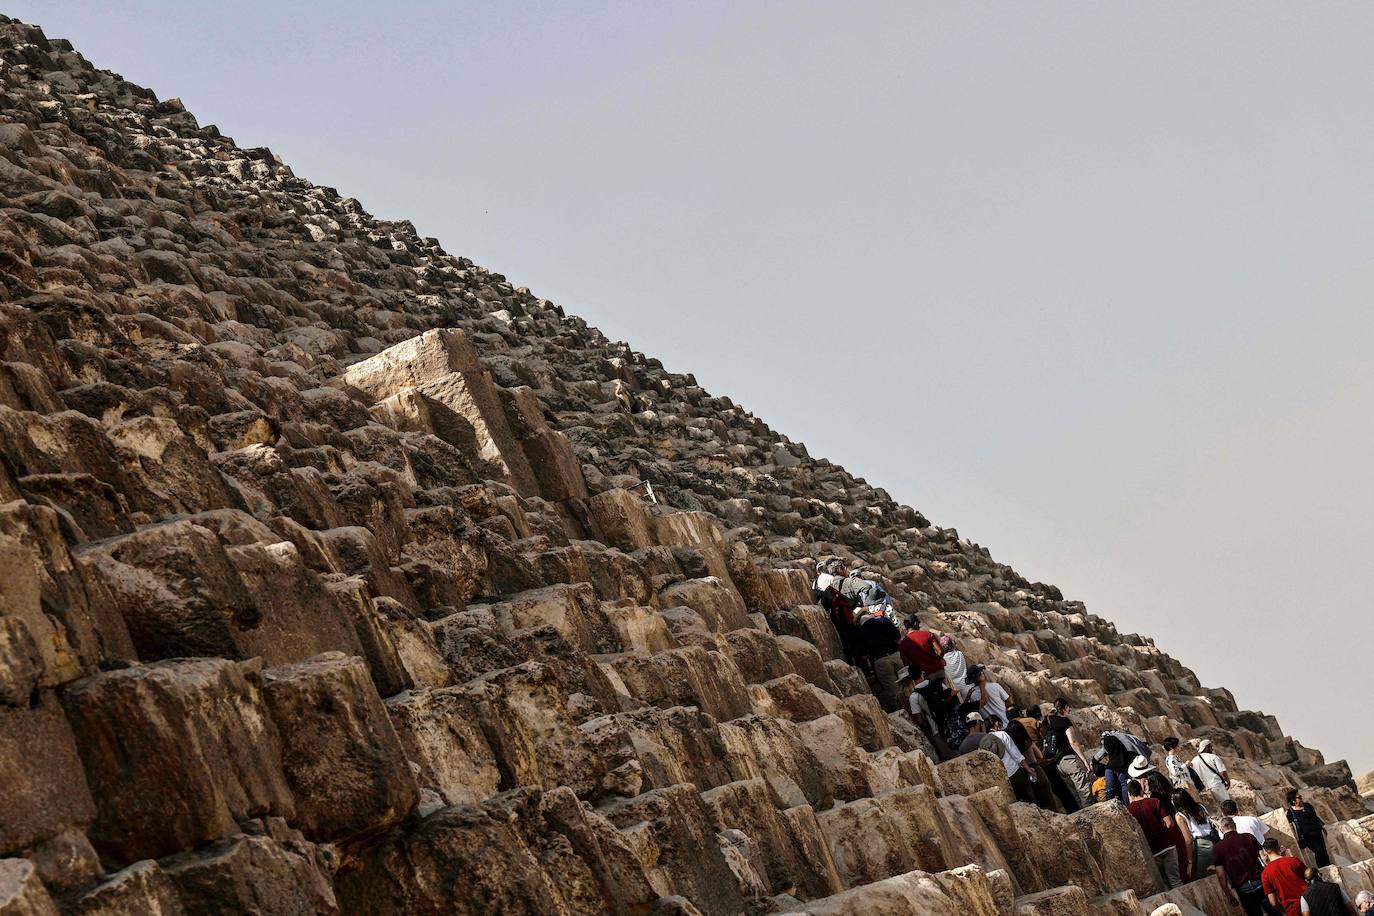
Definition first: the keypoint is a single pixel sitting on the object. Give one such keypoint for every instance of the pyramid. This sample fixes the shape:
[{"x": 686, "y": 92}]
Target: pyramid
[{"x": 341, "y": 575}]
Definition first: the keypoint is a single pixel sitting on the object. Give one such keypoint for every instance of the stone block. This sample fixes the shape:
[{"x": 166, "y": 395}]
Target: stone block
[
  {"x": 275, "y": 875},
  {"x": 1115, "y": 840},
  {"x": 142, "y": 888},
  {"x": 1058, "y": 901},
  {"x": 196, "y": 724},
  {"x": 690, "y": 676},
  {"x": 573, "y": 610},
  {"x": 442, "y": 734},
  {"x": 971, "y": 773},
  {"x": 45, "y": 787},
  {"x": 913, "y": 892},
  {"x": 719, "y": 605},
  {"x": 21, "y": 891},
  {"x": 340, "y": 754}
]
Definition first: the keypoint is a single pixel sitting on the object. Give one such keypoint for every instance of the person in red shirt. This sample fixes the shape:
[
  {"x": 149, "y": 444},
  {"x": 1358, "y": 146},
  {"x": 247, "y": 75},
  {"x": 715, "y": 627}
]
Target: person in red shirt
[
  {"x": 921, "y": 651},
  {"x": 1155, "y": 822},
  {"x": 1284, "y": 879}
]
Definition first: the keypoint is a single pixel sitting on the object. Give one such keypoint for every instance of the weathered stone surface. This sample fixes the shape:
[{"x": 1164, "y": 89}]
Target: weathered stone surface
[
  {"x": 441, "y": 732},
  {"x": 45, "y": 787},
  {"x": 340, "y": 754},
  {"x": 21, "y": 891},
  {"x": 1117, "y": 843},
  {"x": 141, "y": 888},
  {"x": 275, "y": 875},
  {"x": 196, "y": 725}
]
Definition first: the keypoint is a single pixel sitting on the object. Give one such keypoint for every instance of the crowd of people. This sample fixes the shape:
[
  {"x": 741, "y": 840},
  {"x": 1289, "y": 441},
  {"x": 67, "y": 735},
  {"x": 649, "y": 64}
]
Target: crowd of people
[{"x": 961, "y": 709}]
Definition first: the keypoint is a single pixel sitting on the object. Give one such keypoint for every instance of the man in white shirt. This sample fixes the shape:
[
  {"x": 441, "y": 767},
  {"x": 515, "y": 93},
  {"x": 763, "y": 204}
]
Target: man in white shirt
[
  {"x": 1212, "y": 771},
  {"x": 991, "y": 697},
  {"x": 1244, "y": 822}
]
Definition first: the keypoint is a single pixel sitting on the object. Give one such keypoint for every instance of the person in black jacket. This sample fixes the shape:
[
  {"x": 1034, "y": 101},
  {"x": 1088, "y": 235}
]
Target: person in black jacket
[
  {"x": 878, "y": 638},
  {"x": 1322, "y": 898},
  {"x": 1307, "y": 827}
]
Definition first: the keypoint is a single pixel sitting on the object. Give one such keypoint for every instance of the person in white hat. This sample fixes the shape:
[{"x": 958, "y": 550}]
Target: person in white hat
[
  {"x": 1211, "y": 769},
  {"x": 1139, "y": 768}
]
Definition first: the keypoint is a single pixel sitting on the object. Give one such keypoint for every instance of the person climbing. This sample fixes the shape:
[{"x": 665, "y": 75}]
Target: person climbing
[
  {"x": 1065, "y": 754},
  {"x": 1212, "y": 771},
  {"x": 826, "y": 590},
  {"x": 1244, "y": 822},
  {"x": 1099, "y": 773},
  {"x": 1284, "y": 879},
  {"x": 1322, "y": 898},
  {"x": 1038, "y": 729},
  {"x": 1038, "y": 781},
  {"x": 878, "y": 639},
  {"x": 1155, "y": 822},
  {"x": 956, "y": 665},
  {"x": 921, "y": 650},
  {"x": 919, "y": 710},
  {"x": 1121, "y": 749},
  {"x": 976, "y": 731},
  {"x": 1308, "y": 827},
  {"x": 1204, "y": 834},
  {"x": 1013, "y": 761},
  {"x": 1157, "y": 786},
  {"x": 990, "y": 696},
  {"x": 1236, "y": 859},
  {"x": 1178, "y": 771}
]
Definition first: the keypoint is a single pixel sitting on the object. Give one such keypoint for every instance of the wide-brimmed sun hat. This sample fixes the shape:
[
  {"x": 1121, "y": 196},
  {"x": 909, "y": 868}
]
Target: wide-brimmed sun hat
[{"x": 1139, "y": 767}]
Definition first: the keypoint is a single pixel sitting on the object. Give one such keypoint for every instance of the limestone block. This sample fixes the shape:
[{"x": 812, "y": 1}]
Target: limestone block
[
  {"x": 1206, "y": 895},
  {"x": 756, "y": 654},
  {"x": 973, "y": 890},
  {"x": 677, "y": 825},
  {"x": 468, "y": 402},
  {"x": 821, "y": 876},
  {"x": 573, "y": 610},
  {"x": 617, "y": 575},
  {"x": 1062, "y": 857},
  {"x": 984, "y": 850},
  {"x": 425, "y": 358},
  {"x": 935, "y": 844},
  {"x": 1058, "y": 901},
  {"x": 298, "y": 617},
  {"x": 1121, "y": 903},
  {"x": 872, "y": 728},
  {"x": 640, "y": 629},
  {"x": 806, "y": 661},
  {"x": 809, "y": 622},
  {"x": 1116, "y": 841},
  {"x": 994, "y": 807},
  {"x": 750, "y": 806},
  {"x": 689, "y": 676},
  {"x": 970, "y": 774},
  {"x": 866, "y": 844},
  {"x": 279, "y": 875},
  {"x": 176, "y": 589},
  {"x": 21, "y": 891},
  {"x": 622, "y": 518},
  {"x": 527, "y": 716},
  {"x": 170, "y": 465},
  {"x": 340, "y": 754},
  {"x": 442, "y": 733},
  {"x": 55, "y": 624},
  {"x": 794, "y": 698},
  {"x": 45, "y": 789},
  {"x": 624, "y": 886},
  {"x": 196, "y": 724},
  {"x": 548, "y": 452},
  {"x": 831, "y": 739},
  {"x": 719, "y": 605},
  {"x": 913, "y": 892},
  {"x": 141, "y": 888}
]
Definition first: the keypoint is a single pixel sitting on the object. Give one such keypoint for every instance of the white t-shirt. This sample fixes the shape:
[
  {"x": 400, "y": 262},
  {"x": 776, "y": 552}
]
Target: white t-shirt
[
  {"x": 1251, "y": 825},
  {"x": 997, "y": 701},
  {"x": 956, "y": 666},
  {"x": 1011, "y": 755},
  {"x": 1208, "y": 767}
]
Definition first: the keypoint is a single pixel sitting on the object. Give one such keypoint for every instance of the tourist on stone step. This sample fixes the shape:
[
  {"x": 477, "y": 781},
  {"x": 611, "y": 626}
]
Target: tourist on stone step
[
  {"x": 1099, "y": 768},
  {"x": 1212, "y": 771},
  {"x": 1322, "y": 898},
  {"x": 921, "y": 651},
  {"x": 1155, "y": 822},
  {"x": 1236, "y": 858},
  {"x": 1200, "y": 828},
  {"x": 1121, "y": 749},
  {"x": 1013, "y": 761},
  {"x": 1308, "y": 827},
  {"x": 956, "y": 665},
  {"x": 1157, "y": 786},
  {"x": 1176, "y": 768},
  {"x": 878, "y": 639},
  {"x": 990, "y": 696},
  {"x": 1364, "y": 902},
  {"x": 1284, "y": 879},
  {"x": 826, "y": 590},
  {"x": 1038, "y": 780},
  {"x": 1065, "y": 754},
  {"x": 1244, "y": 822},
  {"x": 976, "y": 732},
  {"x": 920, "y": 711},
  {"x": 1038, "y": 730}
]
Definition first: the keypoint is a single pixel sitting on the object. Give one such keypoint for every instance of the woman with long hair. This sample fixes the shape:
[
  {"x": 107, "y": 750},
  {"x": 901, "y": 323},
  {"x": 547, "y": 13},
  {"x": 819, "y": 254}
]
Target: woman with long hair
[
  {"x": 1200, "y": 826},
  {"x": 1161, "y": 789}
]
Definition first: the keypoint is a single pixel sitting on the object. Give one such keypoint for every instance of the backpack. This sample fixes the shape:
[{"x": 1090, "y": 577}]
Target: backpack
[
  {"x": 1051, "y": 745},
  {"x": 1197, "y": 780}
]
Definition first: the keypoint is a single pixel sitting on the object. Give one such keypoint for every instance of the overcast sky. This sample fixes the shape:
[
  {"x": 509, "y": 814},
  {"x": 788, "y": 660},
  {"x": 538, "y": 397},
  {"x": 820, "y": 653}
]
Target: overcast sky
[{"x": 1089, "y": 282}]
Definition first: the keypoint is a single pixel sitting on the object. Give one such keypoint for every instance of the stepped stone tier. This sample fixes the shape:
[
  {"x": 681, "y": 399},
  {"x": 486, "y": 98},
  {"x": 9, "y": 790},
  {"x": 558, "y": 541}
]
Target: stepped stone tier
[{"x": 331, "y": 582}]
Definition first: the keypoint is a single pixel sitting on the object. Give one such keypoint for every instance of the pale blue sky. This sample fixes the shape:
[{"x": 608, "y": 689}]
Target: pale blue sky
[{"x": 1095, "y": 278}]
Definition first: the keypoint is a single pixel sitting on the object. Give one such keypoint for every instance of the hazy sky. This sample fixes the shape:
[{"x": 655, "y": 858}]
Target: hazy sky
[{"x": 1089, "y": 282}]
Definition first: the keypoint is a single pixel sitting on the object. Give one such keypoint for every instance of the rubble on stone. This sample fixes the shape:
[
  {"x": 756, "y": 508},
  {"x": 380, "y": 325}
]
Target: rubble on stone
[{"x": 331, "y": 582}]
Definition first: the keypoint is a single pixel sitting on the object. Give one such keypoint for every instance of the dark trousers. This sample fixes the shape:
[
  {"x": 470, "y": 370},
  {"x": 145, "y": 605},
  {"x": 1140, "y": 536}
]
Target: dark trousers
[
  {"x": 1067, "y": 795},
  {"x": 1036, "y": 791},
  {"x": 1318, "y": 846}
]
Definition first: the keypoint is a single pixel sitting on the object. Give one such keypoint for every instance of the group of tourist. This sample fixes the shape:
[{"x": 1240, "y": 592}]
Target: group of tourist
[{"x": 961, "y": 709}]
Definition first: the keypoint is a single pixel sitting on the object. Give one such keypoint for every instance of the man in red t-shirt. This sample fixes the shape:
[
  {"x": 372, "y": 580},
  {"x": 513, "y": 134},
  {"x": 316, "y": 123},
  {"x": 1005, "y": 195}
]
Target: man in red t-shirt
[
  {"x": 921, "y": 651},
  {"x": 1284, "y": 879}
]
